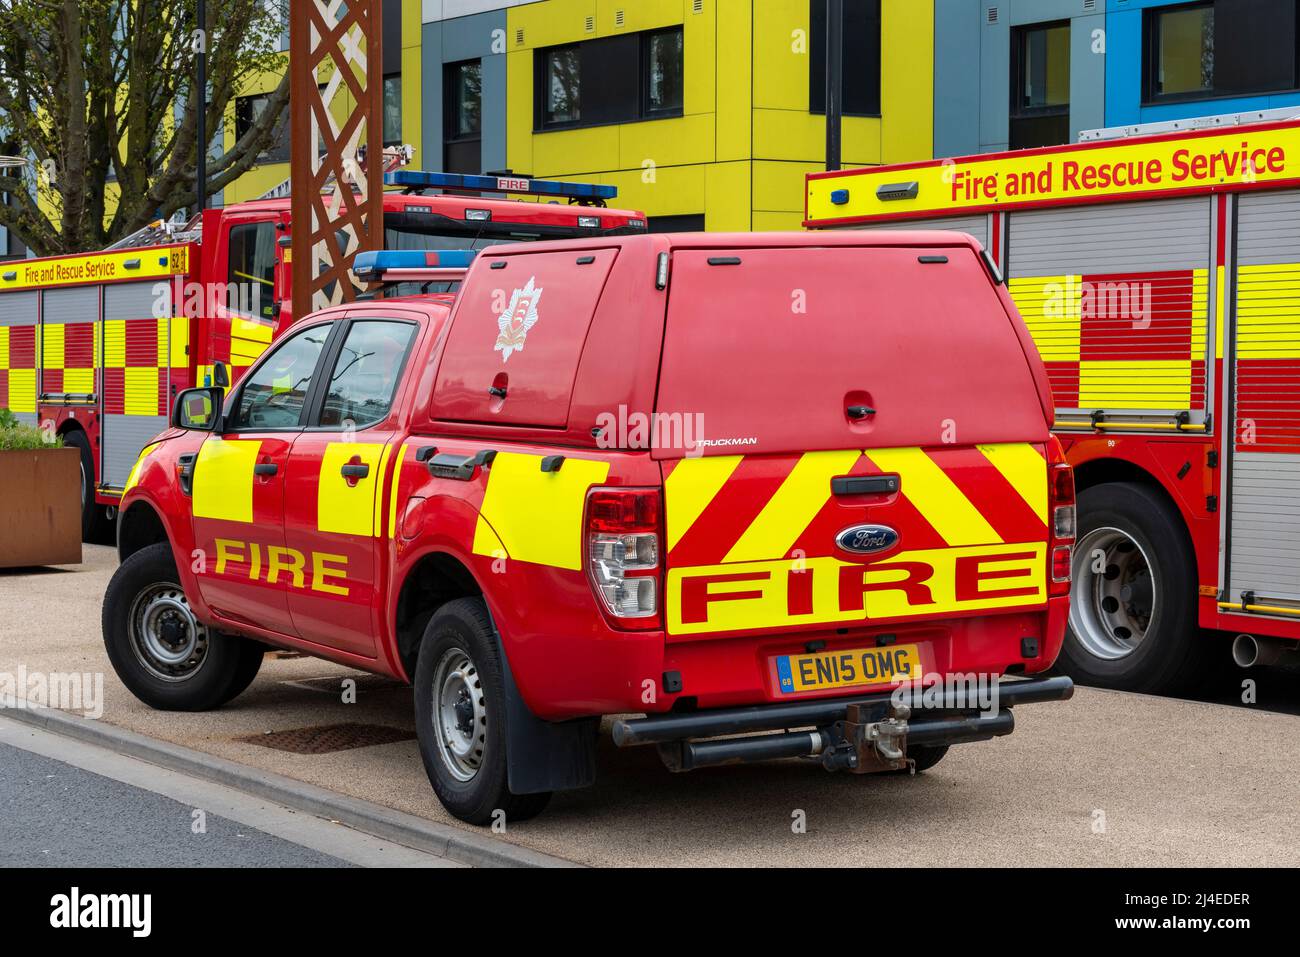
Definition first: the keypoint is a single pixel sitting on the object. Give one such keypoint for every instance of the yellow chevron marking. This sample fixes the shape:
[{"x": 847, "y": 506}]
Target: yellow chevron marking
[
  {"x": 538, "y": 515},
  {"x": 935, "y": 496},
  {"x": 801, "y": 496},
  {"x": 392, "y": 494},
  {"x": 1025, "y": 471},
  {"x": 223, "y": 480},
  {"x": 379, "y": 490},
  {"x": 689, "y": 489},
  {"x": 342, "y": 508}
]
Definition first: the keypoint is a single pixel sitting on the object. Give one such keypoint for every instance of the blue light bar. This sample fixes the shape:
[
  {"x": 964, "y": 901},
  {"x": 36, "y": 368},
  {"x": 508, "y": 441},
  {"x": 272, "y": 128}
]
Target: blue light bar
[
  {"x": 416, "y": 179},
  {"x": 372, "y": 265}
]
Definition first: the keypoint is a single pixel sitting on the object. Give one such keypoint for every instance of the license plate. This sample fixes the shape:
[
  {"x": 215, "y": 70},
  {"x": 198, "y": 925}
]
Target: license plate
[{"x": 846, "y": 669}]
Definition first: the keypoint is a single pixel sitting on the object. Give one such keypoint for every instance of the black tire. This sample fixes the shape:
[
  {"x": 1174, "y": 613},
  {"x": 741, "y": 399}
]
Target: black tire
[
  {"x": 94, "y": 519},
  {"x": 475, "y": 794},
  {"x": 1172, "y": 654},
  {"x": 926, "y": 756},
  {"x": 220, "y": 667}
]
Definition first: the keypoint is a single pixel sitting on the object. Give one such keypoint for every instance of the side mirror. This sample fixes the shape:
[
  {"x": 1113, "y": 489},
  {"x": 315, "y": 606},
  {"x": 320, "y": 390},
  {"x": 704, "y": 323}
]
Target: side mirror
[
  {"x": 220, "y": 377},
  {"x": 198, "y": 410}
]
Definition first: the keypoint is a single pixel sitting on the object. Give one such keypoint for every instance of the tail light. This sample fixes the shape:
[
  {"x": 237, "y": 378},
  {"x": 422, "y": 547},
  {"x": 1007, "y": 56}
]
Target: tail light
[
  {"x": 1060, "y": 482},
  {"x": 623, "y": 554}
]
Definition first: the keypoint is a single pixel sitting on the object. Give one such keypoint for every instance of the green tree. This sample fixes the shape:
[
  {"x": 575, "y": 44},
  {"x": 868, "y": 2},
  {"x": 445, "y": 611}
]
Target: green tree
[{"x": 102, "y": 92}]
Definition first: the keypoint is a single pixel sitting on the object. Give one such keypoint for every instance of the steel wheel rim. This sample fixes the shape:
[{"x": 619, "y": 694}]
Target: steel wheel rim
[
  {"x": 459, "y": 714},
  {"x": 167, "y": 639},
  {"x": 1113, "y": 600}
]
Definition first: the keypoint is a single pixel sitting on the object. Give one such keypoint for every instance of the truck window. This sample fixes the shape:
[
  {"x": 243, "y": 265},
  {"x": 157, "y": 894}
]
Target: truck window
[
  {"x": 272, "y": 397},
  {"x": 365, "y": 374},
  {"x": 251, "y": 270}
]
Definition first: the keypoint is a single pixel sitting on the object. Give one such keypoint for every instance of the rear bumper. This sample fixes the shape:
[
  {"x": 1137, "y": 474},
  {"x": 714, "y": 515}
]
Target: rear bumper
[{"x": 908, "y": 720}]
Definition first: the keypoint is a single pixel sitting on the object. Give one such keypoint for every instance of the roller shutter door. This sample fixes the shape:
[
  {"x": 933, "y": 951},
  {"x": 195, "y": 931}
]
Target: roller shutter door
[
  {"x": 1117, "y": 298},
  {"x": 137, "y": 352},
  {"x": 1264, "y": 502},
  {"x": 977, "y": 226}
]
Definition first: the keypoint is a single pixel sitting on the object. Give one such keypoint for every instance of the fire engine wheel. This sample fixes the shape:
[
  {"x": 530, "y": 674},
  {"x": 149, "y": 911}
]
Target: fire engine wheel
[
  {"x": 162, "y": 653},
  {"x": 460, "y": 705},
  {"x": 1133, "y": 598}
]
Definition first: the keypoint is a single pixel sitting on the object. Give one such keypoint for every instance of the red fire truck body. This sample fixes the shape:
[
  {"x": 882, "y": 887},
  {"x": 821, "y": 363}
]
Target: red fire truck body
[
  {"x": 1160, "y": 277},
  {"x": 95, "y": 347}
]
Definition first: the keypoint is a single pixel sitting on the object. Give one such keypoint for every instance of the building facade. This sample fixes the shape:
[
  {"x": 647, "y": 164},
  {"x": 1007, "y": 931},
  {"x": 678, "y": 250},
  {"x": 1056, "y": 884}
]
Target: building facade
[{"x": 1012, "y": 74}]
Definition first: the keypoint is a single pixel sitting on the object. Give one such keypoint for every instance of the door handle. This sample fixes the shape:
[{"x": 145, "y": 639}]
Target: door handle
[
  {"x": 354, "y": 471},
  {"x": 860, "y": 411},
  {"x": 266, "y": 468},
  {"x": 865, "y": 484}
]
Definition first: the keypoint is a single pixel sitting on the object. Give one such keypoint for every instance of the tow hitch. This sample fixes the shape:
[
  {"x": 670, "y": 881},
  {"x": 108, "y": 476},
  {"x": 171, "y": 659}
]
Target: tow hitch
[{"x": 862, "y": 735}]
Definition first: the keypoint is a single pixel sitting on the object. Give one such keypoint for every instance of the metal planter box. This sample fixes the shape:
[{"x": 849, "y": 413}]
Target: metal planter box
[{"x": 40, "y": 507}]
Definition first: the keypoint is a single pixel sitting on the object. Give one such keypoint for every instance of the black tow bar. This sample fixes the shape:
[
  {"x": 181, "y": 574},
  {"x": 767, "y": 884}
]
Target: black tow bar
[{"x": 864, "y": 733}]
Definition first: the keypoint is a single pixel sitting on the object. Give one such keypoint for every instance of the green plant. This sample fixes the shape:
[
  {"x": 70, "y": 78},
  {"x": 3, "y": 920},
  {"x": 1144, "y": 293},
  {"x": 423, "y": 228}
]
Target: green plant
[
  {"x": 23, "y": 437},
  {"x": 7, "y": 420}
]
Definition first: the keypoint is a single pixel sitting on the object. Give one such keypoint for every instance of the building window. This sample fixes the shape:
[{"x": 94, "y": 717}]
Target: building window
[
  {"x": 1040, "y": 85},
  {"x": 248, "y": 110},
  {"x": 860, "y": 56},
  {"x": 1203, "y": 50},
  {"x": 393, "y": 110},
  {"x": 463, "y": 114},
  {"x": 622, "y": 79}
]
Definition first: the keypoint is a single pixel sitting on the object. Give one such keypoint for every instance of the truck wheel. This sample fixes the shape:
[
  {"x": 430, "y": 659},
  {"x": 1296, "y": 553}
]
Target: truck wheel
[
  {"x": 93, "y": 519},
  {"x": 164, "y": 656},
  {"x": 460, "y": 709},
  {"x": 1133, "y": 598}
]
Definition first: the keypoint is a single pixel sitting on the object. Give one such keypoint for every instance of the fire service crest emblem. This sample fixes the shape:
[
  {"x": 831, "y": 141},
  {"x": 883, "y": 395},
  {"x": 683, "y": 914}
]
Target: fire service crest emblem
[{"x": 519, "y": 316}]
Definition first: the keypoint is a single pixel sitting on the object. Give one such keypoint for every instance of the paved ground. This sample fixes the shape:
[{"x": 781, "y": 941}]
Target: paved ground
[{"x": 1107, "y": 778}]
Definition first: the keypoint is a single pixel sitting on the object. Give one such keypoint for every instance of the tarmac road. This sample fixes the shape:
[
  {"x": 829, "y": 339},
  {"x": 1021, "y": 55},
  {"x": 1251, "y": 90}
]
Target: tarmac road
[{"x": 1105, "y": 779}]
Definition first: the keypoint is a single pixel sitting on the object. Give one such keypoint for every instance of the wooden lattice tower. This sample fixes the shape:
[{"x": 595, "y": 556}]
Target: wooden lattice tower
[{"x": 336, "y": 123}]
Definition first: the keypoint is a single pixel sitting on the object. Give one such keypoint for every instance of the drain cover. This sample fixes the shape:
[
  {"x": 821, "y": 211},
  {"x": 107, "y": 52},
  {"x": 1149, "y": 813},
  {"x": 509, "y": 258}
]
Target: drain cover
[{"x": 324, "y": 738}]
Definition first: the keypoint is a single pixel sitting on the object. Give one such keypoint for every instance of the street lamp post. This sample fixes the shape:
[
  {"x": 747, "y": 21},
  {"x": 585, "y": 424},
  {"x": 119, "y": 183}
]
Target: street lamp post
[
  {"x": 201, "y": 78},
  {"x": 834, "y": 80}
]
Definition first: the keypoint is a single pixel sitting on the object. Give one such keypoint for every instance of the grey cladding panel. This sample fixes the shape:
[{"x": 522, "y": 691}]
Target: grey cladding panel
[
  {"x": 1268, "y": 228},
  {"x": 18, "y": 308},
  {"x": 1110, "y": 238},
  {"x": 138, "y": 300},
  {"x": 73, "y": 304},
  {"x": 1265, "y": 552},
  {"x": 123, "y": 437},
  {"x": 977, "y": 226}
]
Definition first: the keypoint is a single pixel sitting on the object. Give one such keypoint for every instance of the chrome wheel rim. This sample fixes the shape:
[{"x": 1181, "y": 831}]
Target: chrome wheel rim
[
  {"x": 1113, "y": 599},
  {"x": 166, "y": 637},
  {"x": 459, "y": 714}
]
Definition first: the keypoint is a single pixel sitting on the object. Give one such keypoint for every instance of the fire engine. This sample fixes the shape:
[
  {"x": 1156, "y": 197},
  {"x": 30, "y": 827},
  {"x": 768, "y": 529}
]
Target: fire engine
[
  {"x": 1158, "y": 269},
  {"x": 95, "y": 347},
  {"x": 438, "y": 489}
]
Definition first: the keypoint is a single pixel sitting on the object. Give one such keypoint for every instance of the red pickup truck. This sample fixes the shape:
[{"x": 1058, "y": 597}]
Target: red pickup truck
[{"x": 713, "y": 485}]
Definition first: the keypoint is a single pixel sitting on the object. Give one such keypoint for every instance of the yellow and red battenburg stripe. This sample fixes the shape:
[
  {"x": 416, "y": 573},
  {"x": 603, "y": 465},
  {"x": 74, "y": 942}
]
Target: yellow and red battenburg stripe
[{"x": 760, "y": 516}]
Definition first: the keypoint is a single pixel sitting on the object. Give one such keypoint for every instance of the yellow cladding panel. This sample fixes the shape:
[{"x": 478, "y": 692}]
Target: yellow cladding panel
[
  {"x": 547, "y": 24},
  {"x": 778, "y": 187},
  {"x": 727, "y": 193},
  {"x": 342, "y": 508},
  {"x": 733, "y": 73},
  {"x": 765, "y": 222},
  {"x": 782, "y": 51},
  {"x": 675, "y": 142},
  {"x": 412, "y": 86},
  {"x": 519, "y": 108},
  {"x": 800, "y": 135},
  {"x": 1268, "y": 311},
  {"x": 906, "y": 81},
  {"x": 114, "y": 343},
  {"x": 638, "y": 15},
  {"x": 1051, "y": 306},
  {"x": 223, "y": 480},
  {"x": 699, "y": 57},
  {"x": 52, "y": 346},
  {"x": 673, "y": 191},
  {"x": 576, "y": 151},
  {"x": 4, "y": 347},
  {"x": 1150, "y": 384},
  {"x": 538, "y": 515},
  {"x": 22, "y": 390},
  {"x": 141, "y": 391},
  {"x": 765, "y": 601}
]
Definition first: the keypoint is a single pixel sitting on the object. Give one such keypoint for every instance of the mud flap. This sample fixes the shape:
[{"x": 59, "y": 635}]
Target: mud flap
[{"x": 544, "y": 755}]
